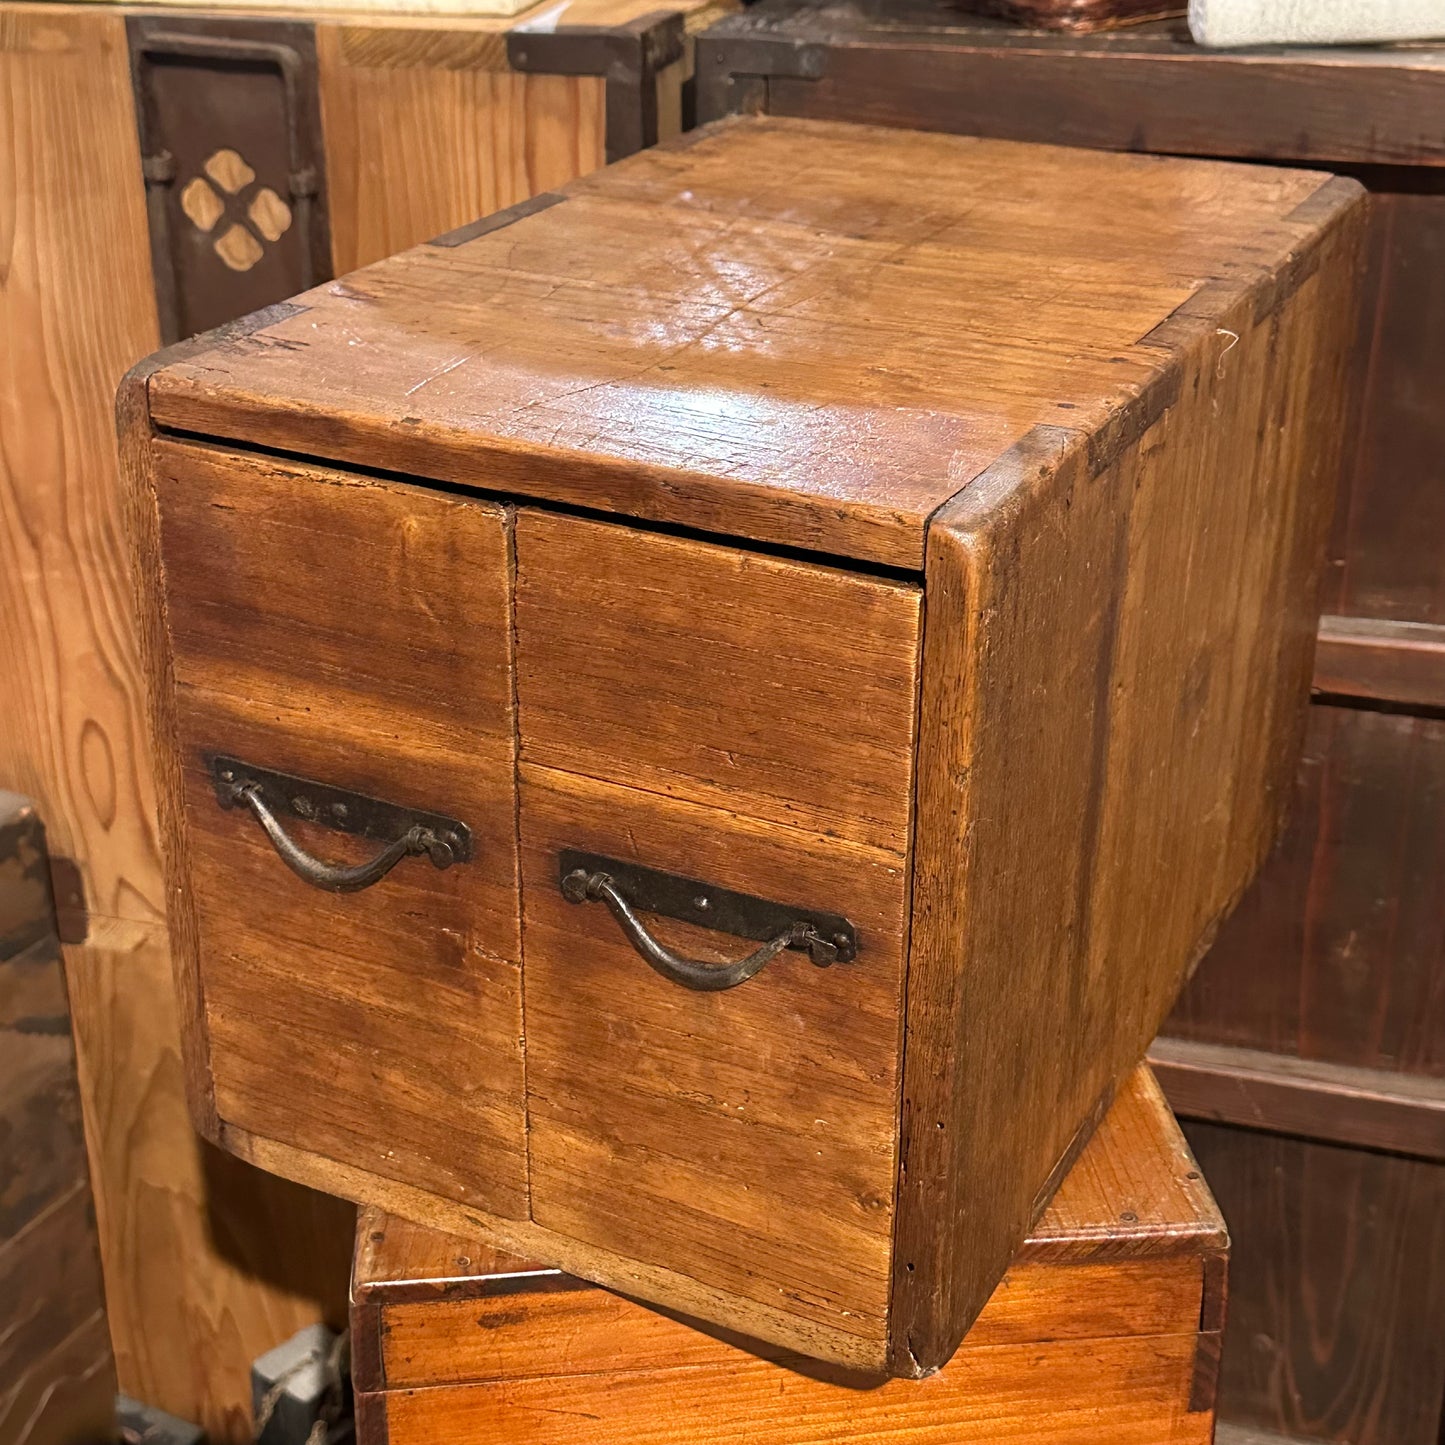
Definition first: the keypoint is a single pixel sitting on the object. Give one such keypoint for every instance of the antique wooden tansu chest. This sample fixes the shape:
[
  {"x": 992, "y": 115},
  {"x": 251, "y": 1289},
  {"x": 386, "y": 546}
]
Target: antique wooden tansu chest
[{"x": 762, "y": 670}]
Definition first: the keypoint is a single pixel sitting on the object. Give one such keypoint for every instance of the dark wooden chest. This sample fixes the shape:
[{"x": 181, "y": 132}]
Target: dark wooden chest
[{"x": 867, "y": 577}]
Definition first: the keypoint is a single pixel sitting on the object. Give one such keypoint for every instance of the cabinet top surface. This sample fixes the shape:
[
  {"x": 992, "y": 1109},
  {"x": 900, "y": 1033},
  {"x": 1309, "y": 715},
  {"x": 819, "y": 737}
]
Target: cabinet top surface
[{"x": 799, "y": 333}]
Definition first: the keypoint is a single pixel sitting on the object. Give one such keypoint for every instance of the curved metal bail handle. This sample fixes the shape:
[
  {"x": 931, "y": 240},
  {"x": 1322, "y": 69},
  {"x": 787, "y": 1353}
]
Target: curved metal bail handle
[
  {"x": 580, "y": 886},
  {"x": 334, "y": 877}
]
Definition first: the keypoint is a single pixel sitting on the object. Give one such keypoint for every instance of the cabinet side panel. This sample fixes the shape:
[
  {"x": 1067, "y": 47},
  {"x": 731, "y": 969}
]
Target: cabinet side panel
[
  {"x": 427, "y": 128},
  {"x": 1116, "y": 663}
]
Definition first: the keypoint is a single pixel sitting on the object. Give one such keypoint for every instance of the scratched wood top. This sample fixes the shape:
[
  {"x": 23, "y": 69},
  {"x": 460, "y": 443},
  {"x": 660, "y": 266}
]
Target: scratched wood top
[
  {"x": 1134, "y": 1192},
  {"x": 802, "y": 333}
]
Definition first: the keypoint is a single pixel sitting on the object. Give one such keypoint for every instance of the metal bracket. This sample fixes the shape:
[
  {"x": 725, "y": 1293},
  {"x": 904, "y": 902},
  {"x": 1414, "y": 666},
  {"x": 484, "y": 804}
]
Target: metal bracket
[
  {"x": 735, "y": 63},
  {"x": 689, "y": 900},
  {"x": 339, "y": 809}
]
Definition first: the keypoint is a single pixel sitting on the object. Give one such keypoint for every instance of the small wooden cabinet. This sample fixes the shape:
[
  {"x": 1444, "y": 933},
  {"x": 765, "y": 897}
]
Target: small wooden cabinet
[
  {"x": 867, "y": 577},
  {"x": 1104, "y": 1331}
]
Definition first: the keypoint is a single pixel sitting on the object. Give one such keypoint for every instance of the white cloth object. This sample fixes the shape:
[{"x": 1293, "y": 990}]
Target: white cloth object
[{"x": 1314, "y": 22}]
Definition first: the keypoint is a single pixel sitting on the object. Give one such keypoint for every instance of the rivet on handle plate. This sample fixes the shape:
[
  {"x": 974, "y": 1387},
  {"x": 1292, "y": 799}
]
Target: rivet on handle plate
[
  {"x": 629, "y": 888},
  {"x": 405, "y": 832}
]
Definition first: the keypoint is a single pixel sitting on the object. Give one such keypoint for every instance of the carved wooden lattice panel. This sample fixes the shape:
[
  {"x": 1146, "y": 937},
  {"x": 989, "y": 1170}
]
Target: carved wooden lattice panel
[{"x": 230, "y": 136}]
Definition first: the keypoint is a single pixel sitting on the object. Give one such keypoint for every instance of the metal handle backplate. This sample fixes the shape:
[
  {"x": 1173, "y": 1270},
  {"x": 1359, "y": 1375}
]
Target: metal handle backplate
[
  {"x": 404, "y": 832},
  {"x": 629, "y": 888}
]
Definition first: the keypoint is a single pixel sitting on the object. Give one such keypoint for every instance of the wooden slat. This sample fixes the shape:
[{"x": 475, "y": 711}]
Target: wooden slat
[
  {"x": 427, "y": 129},
  {"x": 1367, "y": 1108},
  {"x": 1148, "y": 88},
  {"x": 1402, "y": 663},
  {"x": 1337, "y": 1287},
  {"x": 57, "y": 1369},
  {"x": 1337, "y": 952},
  {"x": 1131, "y": 1391}
]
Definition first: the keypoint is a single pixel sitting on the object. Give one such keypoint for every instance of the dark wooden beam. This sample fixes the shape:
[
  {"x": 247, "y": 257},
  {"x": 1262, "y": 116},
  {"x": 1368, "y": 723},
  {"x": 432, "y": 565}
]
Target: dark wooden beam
[
  {"x": 1364, "y": 1108},
  {"x": 1379, "y": 660}
]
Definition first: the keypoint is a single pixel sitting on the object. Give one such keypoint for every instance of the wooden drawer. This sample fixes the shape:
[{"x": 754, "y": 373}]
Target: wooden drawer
[
  {"x": 749, "y": 721},
  {"x": 961, "y": 649},
  {"x": 357, "y": 635}
]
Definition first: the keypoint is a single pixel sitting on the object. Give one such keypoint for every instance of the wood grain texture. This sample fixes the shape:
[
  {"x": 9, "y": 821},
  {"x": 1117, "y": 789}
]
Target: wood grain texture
[
  {"x": 1130, "y": 1391},
  {"x": 427, "y": 129},
  {"x": 1153, "y": 752},
  {"x": 469, "y": 1341},
  {"x": 1337, "y": 1287},
  {"x": 1384, "y": 561},
  {"x": 75, "y": 311},
  {"x": 776, "y": 689},
  {"x": 767, "y": 399},
  {"x": 1151, "y": 89},
  {"x": 746, "y": 1139},
  {"x": 639, "y": 1278},
  {"x": 1135, "y": 1189},
  {"x": 317, "y": 626},
  {"x": 57, "y": 1371},
  {"x": 1340, "y": 944},
  {"x": 1119, "y": 647},
  {"x": 391, "y": 87}
]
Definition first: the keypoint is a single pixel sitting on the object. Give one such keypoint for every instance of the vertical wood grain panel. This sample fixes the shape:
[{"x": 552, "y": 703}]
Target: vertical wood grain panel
[
  {"x": 1337, "y": 953},
  {"x": 193, "y": 1245},
  {"x": 75, "y": 311},
  {"x": 1160, "y": 724},
  {"x": 1337, "y": 1287},
  {"x": 426, "y": 130},
  {"x": 57, "y": 1372}
]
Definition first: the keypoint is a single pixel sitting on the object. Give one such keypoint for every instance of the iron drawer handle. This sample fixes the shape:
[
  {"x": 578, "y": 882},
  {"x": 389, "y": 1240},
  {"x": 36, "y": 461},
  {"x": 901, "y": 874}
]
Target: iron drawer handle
[
  {"x": 581, "y": 885},
  {"x": 443, "y": 840}
]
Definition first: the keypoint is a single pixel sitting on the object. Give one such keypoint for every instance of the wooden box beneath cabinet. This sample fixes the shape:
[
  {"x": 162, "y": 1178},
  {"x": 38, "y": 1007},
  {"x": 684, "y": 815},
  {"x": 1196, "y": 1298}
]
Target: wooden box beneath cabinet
[
  {"x": 597, "y": 544},
  {"x": 1104, "y": 1331}
]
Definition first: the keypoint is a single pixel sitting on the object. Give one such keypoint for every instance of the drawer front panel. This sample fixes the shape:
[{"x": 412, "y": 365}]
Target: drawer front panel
[
  {"x": 746, "y": 721},
  {"x": 356, "y": 634},
  {"x": 782, "y": 690},
  {"x": 745, "y": 1138}
]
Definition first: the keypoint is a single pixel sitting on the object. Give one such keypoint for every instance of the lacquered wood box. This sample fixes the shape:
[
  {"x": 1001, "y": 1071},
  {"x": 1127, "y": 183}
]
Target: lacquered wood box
[
  {"x": 585, "y": 555},
  {"x": 1104, "y": 1331}
]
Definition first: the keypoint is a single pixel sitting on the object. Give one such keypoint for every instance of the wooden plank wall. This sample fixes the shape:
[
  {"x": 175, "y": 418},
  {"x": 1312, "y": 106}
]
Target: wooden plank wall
[
  {"x": 207, "y": 1262},
  {"x": 57, "y": 1374}
]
